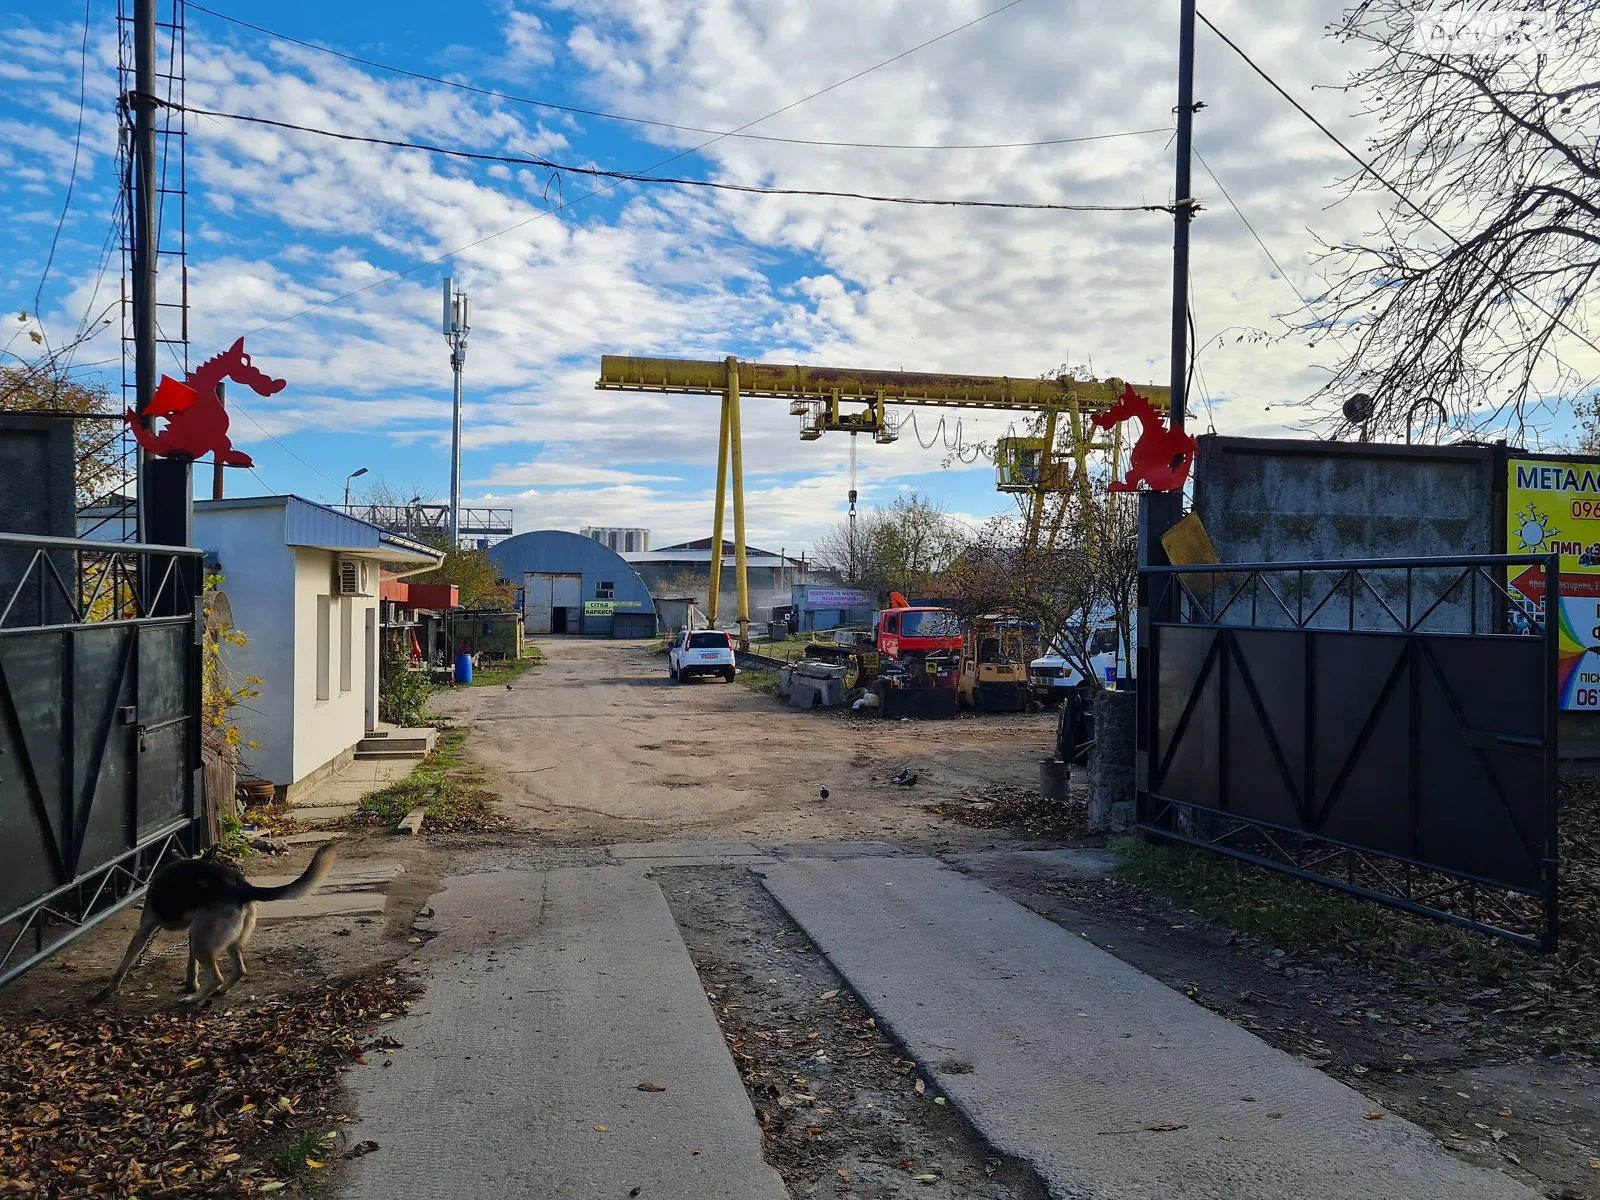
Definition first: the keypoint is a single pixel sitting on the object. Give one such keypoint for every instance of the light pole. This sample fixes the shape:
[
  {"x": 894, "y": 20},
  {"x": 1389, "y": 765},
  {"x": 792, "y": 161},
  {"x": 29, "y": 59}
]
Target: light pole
[
  {"x": 347, "y": 479},
  {"x": 457, "y": 324}
]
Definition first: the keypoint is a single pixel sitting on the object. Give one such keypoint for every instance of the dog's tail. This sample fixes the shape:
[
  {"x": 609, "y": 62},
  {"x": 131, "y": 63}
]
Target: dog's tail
[{"x": 309, "y": 881}]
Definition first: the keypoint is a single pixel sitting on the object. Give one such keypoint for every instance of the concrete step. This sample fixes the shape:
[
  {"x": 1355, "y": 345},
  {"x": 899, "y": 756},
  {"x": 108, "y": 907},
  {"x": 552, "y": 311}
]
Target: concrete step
[
  {"x": 314, "y": 814},
  {"x": 1111, "y": 1084},
  {"x": 388, "y": 739},
  {"x": 388, "y": 754}
]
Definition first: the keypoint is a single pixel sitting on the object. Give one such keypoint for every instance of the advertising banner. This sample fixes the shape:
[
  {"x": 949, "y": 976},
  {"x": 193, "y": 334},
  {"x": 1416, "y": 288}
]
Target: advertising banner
[
  {"x": 830, "y": 598},
  {"x": 1553, "y": 507}
]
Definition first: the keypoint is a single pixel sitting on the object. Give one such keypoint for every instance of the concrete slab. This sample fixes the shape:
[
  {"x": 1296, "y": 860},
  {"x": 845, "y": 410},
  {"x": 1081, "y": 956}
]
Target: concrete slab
[
  {"x": 1071, "y": 863},
  {"x": 1114, "y": 1086},
  {"x": 633, "y": 850},
  {"x": 343, "y": 878},
  {"x": 523, "y": 1058},
  {"x": 324, "y": 904},
  {"x": 834, "y": 849},
  {"x": 329, "y": 812},
  {"x": 312, "y": 838}
]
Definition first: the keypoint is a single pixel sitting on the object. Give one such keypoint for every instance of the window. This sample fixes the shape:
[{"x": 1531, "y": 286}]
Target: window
[
  {"x": 932, "y": 623},
  {"x": 891, "y": 624},
  {"x": 710, "y": 641},
  {"x": 1105, "y": 641},
  {"x": 324, "y": 644},
  {"x": 605, "y": 591},
  {"x": 346, "y": 642}
]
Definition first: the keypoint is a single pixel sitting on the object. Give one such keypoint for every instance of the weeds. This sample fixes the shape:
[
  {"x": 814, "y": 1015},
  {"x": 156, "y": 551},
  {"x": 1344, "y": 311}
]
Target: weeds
[
  {"x": 764, "y": 683},
  {"x": 1559, "y": 993},
  {"x": 494, "y": 674},
  {"x": 451, "y": 794},
  {"x": 306, "y": 1152}
]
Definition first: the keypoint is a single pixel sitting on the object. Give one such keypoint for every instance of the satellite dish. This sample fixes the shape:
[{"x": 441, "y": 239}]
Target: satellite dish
[
  {"x": 219, "y": 612},
  {"x": 1359, "y": 408}
]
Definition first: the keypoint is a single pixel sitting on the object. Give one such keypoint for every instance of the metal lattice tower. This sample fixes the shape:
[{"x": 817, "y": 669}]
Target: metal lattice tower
[{"x": 172, "y": 257}]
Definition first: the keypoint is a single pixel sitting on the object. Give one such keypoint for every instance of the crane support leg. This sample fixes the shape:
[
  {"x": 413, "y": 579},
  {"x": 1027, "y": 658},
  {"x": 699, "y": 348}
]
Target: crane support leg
[
  {"x": 716, "y": 525},
  {"x": 736, "y": 443}
]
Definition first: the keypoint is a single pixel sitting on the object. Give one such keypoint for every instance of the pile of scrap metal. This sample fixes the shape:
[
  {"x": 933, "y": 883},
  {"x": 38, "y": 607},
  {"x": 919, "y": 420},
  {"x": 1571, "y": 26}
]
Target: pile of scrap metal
[
  {"x": 907, "y": 665},
  {"x": 813, "y": 684}
]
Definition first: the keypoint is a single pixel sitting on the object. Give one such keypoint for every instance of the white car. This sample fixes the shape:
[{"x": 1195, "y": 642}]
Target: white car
[{"x": 701, "y": 652}]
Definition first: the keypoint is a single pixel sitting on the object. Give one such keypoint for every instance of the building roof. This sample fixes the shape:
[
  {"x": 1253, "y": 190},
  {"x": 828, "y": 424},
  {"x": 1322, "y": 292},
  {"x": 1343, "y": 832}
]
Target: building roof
[
  {"x": 752, "y": 558},
  {"x": 306, "y": 523},
  {"x": 705, "y": 544}
]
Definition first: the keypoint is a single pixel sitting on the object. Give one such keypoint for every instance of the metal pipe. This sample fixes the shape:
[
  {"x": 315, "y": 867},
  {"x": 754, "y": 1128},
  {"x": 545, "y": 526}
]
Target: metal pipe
[
  {"x": 143, "y": 102},
  {"x": 736, "y": 443},
  {"x": 716, "y": 523},
  {"x": 1182, "y": 214},
  {"x": 216, "y": 459}
]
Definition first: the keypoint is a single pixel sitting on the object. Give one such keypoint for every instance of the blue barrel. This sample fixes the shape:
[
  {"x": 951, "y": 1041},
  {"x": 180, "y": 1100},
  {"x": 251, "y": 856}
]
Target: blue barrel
[{"x": 463, "y": 669}]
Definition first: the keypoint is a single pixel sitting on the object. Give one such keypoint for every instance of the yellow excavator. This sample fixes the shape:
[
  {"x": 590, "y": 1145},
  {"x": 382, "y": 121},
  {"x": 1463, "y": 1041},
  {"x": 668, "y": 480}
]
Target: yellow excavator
[{"x": 994, "y": 663}]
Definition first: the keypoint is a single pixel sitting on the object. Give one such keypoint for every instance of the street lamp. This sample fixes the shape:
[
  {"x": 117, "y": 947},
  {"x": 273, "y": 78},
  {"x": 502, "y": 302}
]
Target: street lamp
[{"x": 347, "y": 479}]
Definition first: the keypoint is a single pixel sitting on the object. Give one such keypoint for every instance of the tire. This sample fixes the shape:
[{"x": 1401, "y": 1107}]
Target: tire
[
  {"x": 727, "y": 676},
  {"x": 977, "y": 700}
]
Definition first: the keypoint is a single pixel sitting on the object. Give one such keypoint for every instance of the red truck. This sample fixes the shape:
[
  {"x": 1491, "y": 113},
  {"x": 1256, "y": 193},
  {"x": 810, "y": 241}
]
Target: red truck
[{"x": 911, "y": 661}]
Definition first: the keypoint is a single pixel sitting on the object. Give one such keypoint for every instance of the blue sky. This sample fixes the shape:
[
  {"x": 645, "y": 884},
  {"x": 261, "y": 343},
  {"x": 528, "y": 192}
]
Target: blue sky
[{"x": 280, "y": 222}]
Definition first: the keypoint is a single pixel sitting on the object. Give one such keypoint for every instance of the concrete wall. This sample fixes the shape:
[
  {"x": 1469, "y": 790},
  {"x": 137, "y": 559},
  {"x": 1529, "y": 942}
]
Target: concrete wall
[
  {"x": 258, "y": 573},
  {"x": 273, "y": 590},
  {"x": 325, "y": 729},
  {"x": 1268, "y": 500}
]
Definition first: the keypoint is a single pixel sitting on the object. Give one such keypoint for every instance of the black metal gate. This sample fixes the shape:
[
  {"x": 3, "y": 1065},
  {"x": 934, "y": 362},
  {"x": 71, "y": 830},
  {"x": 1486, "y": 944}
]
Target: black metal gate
[
  {"x": 100, "y": 693},
  {"x": 1385, "y": 727}
]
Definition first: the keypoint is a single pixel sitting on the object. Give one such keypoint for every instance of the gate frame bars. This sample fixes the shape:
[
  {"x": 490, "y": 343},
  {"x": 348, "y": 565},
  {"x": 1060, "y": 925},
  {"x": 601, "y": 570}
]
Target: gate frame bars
[
  {"x": 1300, "y": 853},
  {"x": 106, "y": 888}
]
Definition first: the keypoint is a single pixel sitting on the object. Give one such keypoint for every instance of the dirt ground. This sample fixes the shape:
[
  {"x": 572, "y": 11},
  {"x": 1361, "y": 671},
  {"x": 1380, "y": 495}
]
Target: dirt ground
[{"x": 598, "y": 746}]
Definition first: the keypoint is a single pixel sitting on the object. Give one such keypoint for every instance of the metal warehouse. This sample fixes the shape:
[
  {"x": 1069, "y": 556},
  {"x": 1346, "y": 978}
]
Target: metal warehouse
[{"x": 574, "y": 584}]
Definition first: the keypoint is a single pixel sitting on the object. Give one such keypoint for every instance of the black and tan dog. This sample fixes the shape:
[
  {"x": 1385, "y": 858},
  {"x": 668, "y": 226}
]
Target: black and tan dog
[{"x": 217, "y": 905}]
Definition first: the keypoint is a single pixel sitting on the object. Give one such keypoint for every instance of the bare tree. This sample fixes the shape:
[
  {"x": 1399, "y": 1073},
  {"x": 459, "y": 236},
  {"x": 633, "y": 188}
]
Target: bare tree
[
  {"x": 902, "y": 547},
  {"x": 1486, "y": 264},
  {"x": 42, "y": 379}
]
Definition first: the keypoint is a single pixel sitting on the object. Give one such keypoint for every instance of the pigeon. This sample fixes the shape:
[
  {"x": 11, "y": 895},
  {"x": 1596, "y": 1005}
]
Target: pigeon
[
  {"x": 824, "y": 793},
  {"x": 906, "y": 778},
  {"x": 508, "y": 687}
]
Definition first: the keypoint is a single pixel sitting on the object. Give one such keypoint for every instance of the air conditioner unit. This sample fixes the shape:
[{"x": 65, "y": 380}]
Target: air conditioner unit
[{"x": 354, "y": 577}]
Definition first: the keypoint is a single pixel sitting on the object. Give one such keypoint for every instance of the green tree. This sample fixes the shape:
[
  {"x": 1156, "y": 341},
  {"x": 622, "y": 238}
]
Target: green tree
[{"x": 476, "y": 574}]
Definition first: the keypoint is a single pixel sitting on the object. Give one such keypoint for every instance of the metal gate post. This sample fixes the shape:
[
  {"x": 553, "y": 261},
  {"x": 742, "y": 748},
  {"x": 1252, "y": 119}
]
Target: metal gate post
[{"x": 1552, "y": 835}]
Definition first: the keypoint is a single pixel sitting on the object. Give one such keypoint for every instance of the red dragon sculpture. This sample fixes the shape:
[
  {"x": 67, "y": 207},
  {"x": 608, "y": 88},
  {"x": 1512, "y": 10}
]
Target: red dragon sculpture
[
  {"x": 1161, "y": 457},
  {"x": 197, "y": 424}
]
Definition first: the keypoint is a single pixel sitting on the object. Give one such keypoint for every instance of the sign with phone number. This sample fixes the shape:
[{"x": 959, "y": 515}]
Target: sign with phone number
[{"x": 1553, "y": 507}]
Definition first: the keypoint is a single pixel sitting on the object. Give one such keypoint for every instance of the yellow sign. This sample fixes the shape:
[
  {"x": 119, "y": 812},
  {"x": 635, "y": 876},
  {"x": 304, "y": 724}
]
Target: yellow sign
[{"x": 1553, "y": 507}]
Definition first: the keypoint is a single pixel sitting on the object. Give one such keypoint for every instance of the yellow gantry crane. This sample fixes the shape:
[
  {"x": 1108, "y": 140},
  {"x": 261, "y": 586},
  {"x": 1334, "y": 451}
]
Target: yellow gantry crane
[{"x": 846, "y": 400}]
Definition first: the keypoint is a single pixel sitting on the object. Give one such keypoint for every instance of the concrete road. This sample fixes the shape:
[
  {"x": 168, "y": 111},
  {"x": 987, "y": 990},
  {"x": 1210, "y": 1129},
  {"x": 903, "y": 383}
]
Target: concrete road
[
  {"x": 564, "y": 1048},
  {"x": 598, "y": 744},
  {"x": 1112, "y": 1085}
]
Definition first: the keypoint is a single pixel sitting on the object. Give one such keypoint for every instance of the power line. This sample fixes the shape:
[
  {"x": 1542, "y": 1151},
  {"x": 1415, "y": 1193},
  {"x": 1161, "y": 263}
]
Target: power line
[
  {"x": 235, "y": 406},
  {"x": 77, "y": 145},
  {"x": 606, "y": 187},
  {"x": 1406, "y": 200},
  {"x": 1239, "y": 212},
  {"x": 629, "y": 177},
  {"x": 496, "y": 94}
]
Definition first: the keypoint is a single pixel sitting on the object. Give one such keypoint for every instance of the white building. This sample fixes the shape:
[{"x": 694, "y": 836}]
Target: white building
[
  {"x": 684, "y": 571},
  {"x": 302, "y": 582}
]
